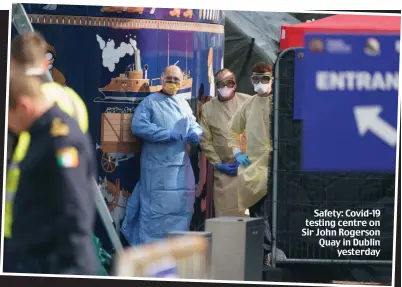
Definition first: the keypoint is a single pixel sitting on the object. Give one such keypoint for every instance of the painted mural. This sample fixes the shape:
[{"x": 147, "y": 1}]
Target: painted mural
[
  {"x": 113, "y": 57},
  {"x": 183, "y": 15}
]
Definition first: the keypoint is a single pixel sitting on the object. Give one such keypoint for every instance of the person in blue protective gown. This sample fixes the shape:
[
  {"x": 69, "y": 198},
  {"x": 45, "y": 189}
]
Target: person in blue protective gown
[{"x": 163, "y": 199}]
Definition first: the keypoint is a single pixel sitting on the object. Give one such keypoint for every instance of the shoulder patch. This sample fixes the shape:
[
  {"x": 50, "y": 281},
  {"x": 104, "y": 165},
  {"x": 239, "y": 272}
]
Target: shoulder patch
[
  {"x": 59, "y": 129},
  {"x": 67, "y": 157}
]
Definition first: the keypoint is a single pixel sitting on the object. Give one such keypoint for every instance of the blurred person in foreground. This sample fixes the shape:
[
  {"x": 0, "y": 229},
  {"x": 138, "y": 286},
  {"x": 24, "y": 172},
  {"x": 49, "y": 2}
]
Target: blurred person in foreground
[
  {"x": 28, "y": 53},
  {"x": 253, "y": 118},
  {"x": 214, "y": 122},
  {"x": 50, "y": 209},
  {"x": 163, "y": 199}
]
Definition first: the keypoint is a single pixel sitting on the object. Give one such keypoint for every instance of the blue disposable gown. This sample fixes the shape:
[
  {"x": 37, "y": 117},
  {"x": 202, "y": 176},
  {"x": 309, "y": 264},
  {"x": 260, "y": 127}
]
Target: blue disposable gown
[{"x": 163, "y": 199}]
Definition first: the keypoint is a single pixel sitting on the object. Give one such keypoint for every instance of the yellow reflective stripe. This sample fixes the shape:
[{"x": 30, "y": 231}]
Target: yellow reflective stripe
[
  {"x": 23, "y": 143},
  {"x": 8, "y": 218},
  {"x": 13, "y": 176}
]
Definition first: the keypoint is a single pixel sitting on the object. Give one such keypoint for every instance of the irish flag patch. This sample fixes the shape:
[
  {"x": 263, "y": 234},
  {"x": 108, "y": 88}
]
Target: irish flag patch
[{"x": 67, "y": 157}]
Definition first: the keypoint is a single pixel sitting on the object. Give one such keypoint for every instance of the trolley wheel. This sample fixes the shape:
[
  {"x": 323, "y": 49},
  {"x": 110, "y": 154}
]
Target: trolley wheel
[{"x": 108, "y": 163}]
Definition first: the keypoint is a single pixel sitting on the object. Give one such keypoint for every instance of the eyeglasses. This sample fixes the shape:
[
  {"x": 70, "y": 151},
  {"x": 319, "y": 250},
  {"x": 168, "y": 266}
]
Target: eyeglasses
[
  {"x": 264, "y": 79},
  {"x": 225, "y": 83},
  {"x": 174, "y": 80}
]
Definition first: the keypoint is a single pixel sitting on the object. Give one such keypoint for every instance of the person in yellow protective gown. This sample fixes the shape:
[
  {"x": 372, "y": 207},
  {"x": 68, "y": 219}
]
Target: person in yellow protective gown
[
  {"x": 253, "y": 118},
  {"x": 214, "y": 122}
]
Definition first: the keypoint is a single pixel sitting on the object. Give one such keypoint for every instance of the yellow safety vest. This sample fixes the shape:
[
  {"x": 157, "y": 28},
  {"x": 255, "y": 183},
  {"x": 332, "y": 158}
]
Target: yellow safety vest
[
  {"x": 69, "y": 102},
  {"x": 13, "y": 178}
]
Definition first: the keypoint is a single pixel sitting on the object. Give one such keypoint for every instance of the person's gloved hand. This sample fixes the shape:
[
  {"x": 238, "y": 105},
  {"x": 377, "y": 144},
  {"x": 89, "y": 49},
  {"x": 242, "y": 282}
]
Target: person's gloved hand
[
  {"x": 192, "y": 138},
  {"x": 228, "y": 168},
  {"x": 175, "y": 136},
  {"x": 242, "y": 159}
]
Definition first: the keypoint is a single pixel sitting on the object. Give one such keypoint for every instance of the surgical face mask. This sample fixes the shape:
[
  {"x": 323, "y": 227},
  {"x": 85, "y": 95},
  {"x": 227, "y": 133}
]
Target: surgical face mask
[
  {"x": 225, "y": 92},
  {"x": 171, "y": 88},
  {"x": 262, "y": 89}
]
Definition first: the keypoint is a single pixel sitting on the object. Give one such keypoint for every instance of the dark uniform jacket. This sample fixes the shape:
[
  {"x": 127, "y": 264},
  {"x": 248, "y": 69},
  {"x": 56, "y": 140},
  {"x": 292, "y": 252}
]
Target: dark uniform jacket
[{"x": 54, "y": 208}]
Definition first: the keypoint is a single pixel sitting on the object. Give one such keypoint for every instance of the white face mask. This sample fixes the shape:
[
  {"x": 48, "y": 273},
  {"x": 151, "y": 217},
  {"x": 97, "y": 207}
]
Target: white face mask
[
  {"x": 225, "y": 92},
  {"x": 262, "y": 88}
]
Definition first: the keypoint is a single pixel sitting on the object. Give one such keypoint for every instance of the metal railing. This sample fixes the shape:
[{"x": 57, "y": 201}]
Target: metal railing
[{"x": 287, "y": 138}]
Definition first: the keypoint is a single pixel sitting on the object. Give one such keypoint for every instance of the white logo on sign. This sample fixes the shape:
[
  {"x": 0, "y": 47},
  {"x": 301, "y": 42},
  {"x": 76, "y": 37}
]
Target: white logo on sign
[
  {"x": 397, "y": 45},
  {"x": 338, "y": 46},
  {"x": 372, "y": 47}
]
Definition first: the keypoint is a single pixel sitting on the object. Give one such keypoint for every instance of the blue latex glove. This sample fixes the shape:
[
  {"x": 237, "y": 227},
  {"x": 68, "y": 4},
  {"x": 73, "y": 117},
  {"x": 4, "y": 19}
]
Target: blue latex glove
[
  {"x": 175, "y": 136},
  {"x": 242, "y": 159},
  {"x": 192, "y": 138},
  {"x": 228, "y": 168}
]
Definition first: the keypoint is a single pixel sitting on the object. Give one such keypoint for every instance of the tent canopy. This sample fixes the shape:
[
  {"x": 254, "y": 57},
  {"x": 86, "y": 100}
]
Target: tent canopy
[
  {"x": 292, "y": 35},
  {"x": 252, "y": 37}
]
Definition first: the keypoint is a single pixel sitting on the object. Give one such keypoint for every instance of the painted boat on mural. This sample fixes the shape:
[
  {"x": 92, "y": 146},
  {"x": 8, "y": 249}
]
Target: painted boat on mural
[{"x": 134, "y": 83}]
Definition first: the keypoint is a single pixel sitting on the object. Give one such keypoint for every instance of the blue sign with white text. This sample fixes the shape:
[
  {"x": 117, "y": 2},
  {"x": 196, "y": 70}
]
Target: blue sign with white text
[{"x": 350, "y": 105}]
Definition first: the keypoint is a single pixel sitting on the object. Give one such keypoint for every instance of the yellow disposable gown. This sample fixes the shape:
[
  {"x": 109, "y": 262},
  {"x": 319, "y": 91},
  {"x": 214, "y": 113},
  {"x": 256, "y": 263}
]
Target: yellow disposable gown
[
  {"x": 214, "y": 122},
  {"x": 253, "y": 119}
]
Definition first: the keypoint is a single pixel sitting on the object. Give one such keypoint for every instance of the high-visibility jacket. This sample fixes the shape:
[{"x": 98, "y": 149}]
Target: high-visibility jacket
[{"x": 70, "y": 103}]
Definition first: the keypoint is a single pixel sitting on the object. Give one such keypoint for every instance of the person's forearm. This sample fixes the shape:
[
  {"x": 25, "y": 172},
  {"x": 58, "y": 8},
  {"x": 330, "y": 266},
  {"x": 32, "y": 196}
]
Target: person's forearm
[{"x": 150, "y": 132}]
